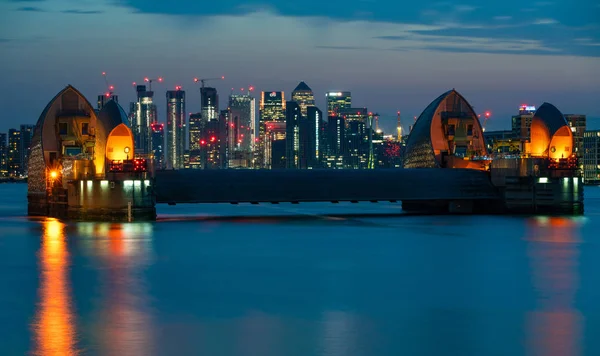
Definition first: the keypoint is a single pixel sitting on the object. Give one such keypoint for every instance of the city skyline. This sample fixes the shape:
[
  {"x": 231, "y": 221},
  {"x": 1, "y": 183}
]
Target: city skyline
[{"x": 500, "y": 56}]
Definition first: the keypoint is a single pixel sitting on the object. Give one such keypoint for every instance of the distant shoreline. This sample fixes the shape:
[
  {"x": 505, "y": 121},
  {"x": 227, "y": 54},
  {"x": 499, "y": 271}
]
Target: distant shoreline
[{"x": 12, "y": 180}]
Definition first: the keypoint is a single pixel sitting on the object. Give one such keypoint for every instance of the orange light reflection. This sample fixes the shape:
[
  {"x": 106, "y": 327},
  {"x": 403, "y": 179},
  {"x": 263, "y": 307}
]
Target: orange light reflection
[{"x": 54, "y": 327}]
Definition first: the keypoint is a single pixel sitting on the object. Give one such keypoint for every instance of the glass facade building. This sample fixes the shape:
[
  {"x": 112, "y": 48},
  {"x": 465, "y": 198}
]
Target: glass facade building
[
  {"x": 591, "y": 157},
  {"x": 145, "y": 114},
  {"x": 272, "y": 109},
  {"x": 337, "y": 100},
  {"x": 304, "y": 96},
  {"x": 25, "y": 146},
  {"x": 158, "y": 145},
  {"x": 175, "y": 128}
]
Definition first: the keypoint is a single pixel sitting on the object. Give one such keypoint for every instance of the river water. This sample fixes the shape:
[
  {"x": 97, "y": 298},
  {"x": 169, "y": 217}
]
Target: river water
[{"x": 288, "y": 280}]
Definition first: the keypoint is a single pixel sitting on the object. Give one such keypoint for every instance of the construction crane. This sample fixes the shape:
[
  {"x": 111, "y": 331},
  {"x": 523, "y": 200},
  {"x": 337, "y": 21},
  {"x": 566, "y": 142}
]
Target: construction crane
[
  {"x": 150, "y": 80},
  {"x": 486, "y": 117},
  {"x": 204, "y": 80},
  {"x": 110, "y": 88}
]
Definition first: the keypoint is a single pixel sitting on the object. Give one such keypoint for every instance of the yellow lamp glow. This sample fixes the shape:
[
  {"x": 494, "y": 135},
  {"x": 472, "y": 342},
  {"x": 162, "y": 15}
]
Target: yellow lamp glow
[{"x": 53, "y": 174}]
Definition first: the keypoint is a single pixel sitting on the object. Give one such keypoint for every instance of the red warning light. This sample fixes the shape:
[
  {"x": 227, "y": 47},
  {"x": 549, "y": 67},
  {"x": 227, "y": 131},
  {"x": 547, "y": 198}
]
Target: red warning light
[
  {"x": 160, "y": 79},
  {"x": 202, "y": 142},
  {"x": 103, "y": 73},
  {"x": 146, "y": 79},
  {"x": 111, "y": 87},
  {"x": 108, "y": 95},
  {"x": 195, "y": 80},
  {"x": 222, "y": 77},
  {"x": 487, "y": 114},
  {"x": 134, "y": 83},
  {"x": 212, "y": 139}
]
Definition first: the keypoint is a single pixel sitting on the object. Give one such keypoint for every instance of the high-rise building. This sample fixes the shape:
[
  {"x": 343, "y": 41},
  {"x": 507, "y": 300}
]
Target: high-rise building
[
  {"x": 3, "y": 155},
  {"x": 272, "y": 109},
  {"x": 175, "y": 128},
  {"x": 275, "y": 145},
  {"x": 158, "y": 144},
  {"x": 521, "y": 128},
  {"x": 214, "y": 143},
  {"x": 209, "y": 103},
  {"x": 317, "y": 139},
  {"x": 578, "y": 126},
  {"x": 145, "y": 114},
  {"x": 591, "y": 157},
  {"x": 304, "y": 96},
  {"x": 14, "y": 154},
  {"x": 243, "y": 112},
  {"x": 105, "y": 98},
  {"x": 196, "y": 128},
  {"x": 336, "y": 142},
  {"x": 25, "y": 149},
  {"x": 293, "y": 122},
  {"x": 337, "y": 100}
]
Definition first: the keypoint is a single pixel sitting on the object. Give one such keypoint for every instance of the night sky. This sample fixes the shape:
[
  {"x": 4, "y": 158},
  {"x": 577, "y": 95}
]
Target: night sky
[{"x": 391, "y": 55}]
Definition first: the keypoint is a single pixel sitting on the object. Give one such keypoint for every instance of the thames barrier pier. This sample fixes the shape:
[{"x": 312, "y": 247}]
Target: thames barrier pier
[{"x": 84, "y": 166}]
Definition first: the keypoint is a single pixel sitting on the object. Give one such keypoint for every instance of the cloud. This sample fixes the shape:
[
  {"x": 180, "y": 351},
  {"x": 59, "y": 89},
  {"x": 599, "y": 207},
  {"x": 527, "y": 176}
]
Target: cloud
[
  {"x": 344, "y": 47},
  {"x": 4, "y": 40},
  {"x": 545, "y": 22},
  {"x": 544, "y": 3},
  {"x": 502, "y": 18},
  {"x": 464, "y": 8},
  {"x": 30, "y": 9},
  {"x": 82, "y": 12},
  {"x": 19, "y": 1}
]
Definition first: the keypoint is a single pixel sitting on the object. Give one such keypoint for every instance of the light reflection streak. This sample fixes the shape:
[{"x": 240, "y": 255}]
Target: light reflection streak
[
  {"x": 125, "y": 322},
  {"x": 54, "y": 326},
  {"x": 555, "y": 327}
]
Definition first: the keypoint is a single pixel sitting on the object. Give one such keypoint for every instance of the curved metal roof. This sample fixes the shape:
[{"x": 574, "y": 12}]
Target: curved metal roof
[
  {"x": 551, "y": 116},
  {"x": 112, "y": 115}
]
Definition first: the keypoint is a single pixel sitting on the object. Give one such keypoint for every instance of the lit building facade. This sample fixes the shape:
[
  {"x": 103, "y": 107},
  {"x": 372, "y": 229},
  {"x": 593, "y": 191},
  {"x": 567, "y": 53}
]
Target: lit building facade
[
  {"x": 591, "y": 157},
  {"x": 145, "y": 114},
  {"x": 337, "y": 100},
  {"x": 293, "y": 122},
  {"x": 275, "y": 145},
  {"x": 336, "y": 142},
  {"x": 14, "y": 154},
  {"x": 196, "y": 126},
  {"x": 317, "y": 139},
  {"x": 272, "y": 109},
  {"x": 3, "y": 155},
  {"x": 209, "y": 103},
  {"x": 175, "y": 128},
  {"x": 25, "y": 146},
  {"x": 158, "y": 145},
  {"x": 242, "y": 108},
  {"x": 577, "y": 123},
  {"x": 304, "y": 96}
]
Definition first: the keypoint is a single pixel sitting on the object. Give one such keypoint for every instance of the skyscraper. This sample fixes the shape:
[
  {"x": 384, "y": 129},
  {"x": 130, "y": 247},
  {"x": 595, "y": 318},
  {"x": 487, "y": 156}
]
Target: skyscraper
[
  {"x": 243, "y": 112},
  {"x": 3, "y": 155},
  {"x": 158, "y": 144},
  {"x": 272, "y": 109},
  {"x": 293, "y": 122},
  {"x": 317, "y": 138},
  {"x": 145, "y": 114},
  {"x": 336, "y": 142},
  {"x": 14, "y": 154},
  {"x": 304, "y": 96},
  {"x": 175, "y": 128},
  {"x": 209, "y": 103},
  {"x": 196, "y": 127},
  {"x": 337, "y": 100},
  {"x": 24, "y": 149}
]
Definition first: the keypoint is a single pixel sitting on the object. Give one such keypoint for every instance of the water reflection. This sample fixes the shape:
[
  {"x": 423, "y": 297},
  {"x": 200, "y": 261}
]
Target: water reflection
[
  {"x": 555, "y": 326},
  {"x": 54, "y": 326},
  {"x": 125, "y": 325}
]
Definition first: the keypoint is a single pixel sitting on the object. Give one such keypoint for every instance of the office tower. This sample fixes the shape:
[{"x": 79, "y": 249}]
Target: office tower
[
  {"x": 24, "y": 149},
  {"x": 591, "y": 157},
  {"x": 175, "y": 128},
  {"x": 357, "y": 152},
  {"x": 105, "y": 98},
  {"x": 354, "y": 114},
  {"x": 209, "y": 103},
  {"x": 317, "y": 139},
  {"x": 304, "y": 96},
  {"x": 271, "y": 109},
  {"x": 14, "y": 154},
  {"x": 275, "y": 145},
  {"x": 196, "y": 127},
  {"x": 3, "y": 155},
  {"x": 293, "y": 121},
  {"x": 578, "y": 126},
  {"x": 336, "y": 142},
  {"x": 243, "y": 111},
  {"x": 337, "y": 100},
  {"x": 213, "y": 144},
  {"x": 145, "y": 114},
  {"x": 158, "y": 144}
]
